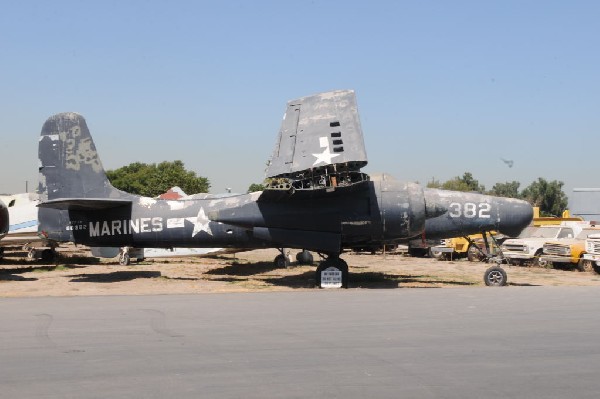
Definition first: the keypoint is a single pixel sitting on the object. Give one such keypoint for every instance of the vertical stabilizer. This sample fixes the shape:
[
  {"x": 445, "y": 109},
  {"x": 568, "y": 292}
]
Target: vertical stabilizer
[{"x": 69, "y": 164}]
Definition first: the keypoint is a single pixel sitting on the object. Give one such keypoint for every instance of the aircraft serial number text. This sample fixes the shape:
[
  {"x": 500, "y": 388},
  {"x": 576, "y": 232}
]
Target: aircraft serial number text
[{"x": 470, "y": 210}]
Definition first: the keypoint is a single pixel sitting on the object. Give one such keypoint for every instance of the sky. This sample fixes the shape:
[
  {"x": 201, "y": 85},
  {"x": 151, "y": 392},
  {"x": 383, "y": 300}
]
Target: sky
[{"x": 443, "y": 87}]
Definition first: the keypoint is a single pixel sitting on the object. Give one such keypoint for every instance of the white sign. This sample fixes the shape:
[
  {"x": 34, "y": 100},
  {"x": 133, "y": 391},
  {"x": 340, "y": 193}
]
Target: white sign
[{"x": 331, "y": 278}]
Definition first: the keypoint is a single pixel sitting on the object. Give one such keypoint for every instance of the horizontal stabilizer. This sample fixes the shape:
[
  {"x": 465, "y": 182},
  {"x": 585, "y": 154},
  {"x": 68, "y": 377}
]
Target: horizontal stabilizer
[{"x": 84, "y": 204}]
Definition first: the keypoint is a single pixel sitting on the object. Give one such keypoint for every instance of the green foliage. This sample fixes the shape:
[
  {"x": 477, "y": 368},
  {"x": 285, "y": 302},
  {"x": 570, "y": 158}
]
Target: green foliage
[
  {"x": 549, "y": 196},
  {"x": 464, "y": 183},
  {"x": 151, "y": 180},
  {"x": 508, "y": 189},
  {"x": 256, "y": 187},
  {"x": 434, "y": 183}
]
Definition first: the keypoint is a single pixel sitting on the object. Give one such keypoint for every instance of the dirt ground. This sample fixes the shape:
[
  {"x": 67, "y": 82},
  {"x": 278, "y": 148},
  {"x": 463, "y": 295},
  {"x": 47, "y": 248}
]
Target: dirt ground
[{"x": 75, "y": 273}]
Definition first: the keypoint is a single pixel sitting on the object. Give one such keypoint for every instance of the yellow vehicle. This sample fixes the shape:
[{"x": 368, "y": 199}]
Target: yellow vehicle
[
  {"x": 551, "y": 220},
  {"x": 570, "y": 252},
  {"x": 473, "y": 247}
]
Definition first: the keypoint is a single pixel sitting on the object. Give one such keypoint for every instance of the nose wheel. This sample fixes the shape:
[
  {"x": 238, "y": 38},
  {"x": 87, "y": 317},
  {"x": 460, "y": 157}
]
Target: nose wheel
[{"x": 495, "y": 276}]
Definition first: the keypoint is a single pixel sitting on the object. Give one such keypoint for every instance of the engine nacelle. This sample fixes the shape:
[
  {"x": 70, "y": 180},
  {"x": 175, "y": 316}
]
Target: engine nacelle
[{"x": 402, "y": 208}]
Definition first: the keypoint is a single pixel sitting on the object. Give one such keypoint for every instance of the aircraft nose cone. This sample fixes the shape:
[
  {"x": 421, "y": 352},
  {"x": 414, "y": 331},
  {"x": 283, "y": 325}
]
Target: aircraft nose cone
[
  {"x": 3, "y": 219},
  {"x": 514, "y": 215}
]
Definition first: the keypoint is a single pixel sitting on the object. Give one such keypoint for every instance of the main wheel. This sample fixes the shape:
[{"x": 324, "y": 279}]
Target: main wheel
[
  {"x": 495, "y": 277},
  {"x": 48, "y": 255},
  {"x": 585, "y": 265},
  {"x": 304, "y": 258}
]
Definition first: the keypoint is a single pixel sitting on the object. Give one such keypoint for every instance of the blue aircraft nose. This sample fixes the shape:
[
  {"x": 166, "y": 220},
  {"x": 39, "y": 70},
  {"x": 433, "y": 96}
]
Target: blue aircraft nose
[{"x": 513, "y": 216}]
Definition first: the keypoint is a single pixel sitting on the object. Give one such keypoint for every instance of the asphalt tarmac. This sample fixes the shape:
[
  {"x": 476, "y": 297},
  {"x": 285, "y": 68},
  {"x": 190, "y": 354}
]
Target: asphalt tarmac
[{"x": 511, "y": 342}]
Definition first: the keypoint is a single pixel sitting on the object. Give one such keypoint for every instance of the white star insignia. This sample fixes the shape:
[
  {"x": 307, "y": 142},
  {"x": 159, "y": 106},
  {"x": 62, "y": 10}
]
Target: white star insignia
[
  {"x": 326, "y": 155},
  {"x": 202, "y": 223}
]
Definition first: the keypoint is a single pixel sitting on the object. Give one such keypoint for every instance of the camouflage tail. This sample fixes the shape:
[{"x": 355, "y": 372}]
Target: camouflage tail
[{"x": 69, "y": 164}]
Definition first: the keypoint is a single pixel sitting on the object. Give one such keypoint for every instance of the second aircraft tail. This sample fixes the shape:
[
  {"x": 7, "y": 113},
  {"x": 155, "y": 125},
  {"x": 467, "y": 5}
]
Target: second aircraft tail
[{"x": 69, "y": 164}]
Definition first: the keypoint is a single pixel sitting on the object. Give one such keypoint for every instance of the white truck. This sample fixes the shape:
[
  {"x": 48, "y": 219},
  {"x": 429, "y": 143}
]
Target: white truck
[
  {"x": 528, "y": 246},
  {"x": 592, "y": 249}
]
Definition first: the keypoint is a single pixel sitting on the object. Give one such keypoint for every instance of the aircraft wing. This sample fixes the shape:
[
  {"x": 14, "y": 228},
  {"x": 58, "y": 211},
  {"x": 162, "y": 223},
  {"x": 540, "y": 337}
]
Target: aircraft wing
[{"x": 318, "y": 131}]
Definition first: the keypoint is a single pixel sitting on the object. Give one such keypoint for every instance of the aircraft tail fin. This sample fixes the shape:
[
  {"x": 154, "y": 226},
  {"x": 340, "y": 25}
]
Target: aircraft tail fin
[{"x": 69, "y": 164}]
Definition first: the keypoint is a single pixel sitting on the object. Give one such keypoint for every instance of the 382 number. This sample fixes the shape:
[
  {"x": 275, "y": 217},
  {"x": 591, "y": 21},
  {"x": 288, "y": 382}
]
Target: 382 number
[{"x": 469, "y": 210}]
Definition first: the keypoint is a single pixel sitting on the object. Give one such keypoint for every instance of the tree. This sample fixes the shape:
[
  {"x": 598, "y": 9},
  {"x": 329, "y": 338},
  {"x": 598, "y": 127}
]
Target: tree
[
  {"x": 256, "y": 187},
  {"x": 464, "y": 183},
  {"x": 434, "y": 183},
  {"x": 549, "y": 196},
  {"x": 508, "y": 189},
  {"x": 151, "y": 180}
]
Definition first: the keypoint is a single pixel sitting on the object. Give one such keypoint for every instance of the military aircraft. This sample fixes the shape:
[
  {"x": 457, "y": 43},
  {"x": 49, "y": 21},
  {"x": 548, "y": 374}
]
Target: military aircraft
[
  {"x": 317, "y": 198},
  {"x": 23, "y": 227},
  {"x": 4, "y": 221}
]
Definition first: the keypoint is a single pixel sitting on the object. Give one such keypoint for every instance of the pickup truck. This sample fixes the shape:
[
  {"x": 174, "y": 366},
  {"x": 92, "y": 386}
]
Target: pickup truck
[
  {"x": 570, "y": 251},
  {"x": 529, "y": 245},
  {"x": 592, "y": 249}
]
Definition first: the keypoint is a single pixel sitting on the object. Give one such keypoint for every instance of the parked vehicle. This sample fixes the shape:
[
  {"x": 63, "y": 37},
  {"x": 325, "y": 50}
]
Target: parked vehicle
[
  {"x": 472, "y": 246},
  {"x": 529, "y": 245},
  {"x": 592, "y": 249},
  {"x": 570, "y": 251}
]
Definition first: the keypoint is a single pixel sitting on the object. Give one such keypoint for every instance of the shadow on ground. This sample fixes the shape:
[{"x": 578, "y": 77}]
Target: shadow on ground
[
  {"x": 15, "y": 277},
  {"x": 248, "y": 272},
  {"x": 243, "y": 269},
  {"x": 32, "y": 267},
  {"x": 113, "y": 277}
]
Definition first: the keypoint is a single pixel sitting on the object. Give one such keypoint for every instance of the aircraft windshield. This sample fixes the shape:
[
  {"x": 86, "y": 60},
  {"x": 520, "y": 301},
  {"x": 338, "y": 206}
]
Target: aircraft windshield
[{"x": 546, "y": 232}]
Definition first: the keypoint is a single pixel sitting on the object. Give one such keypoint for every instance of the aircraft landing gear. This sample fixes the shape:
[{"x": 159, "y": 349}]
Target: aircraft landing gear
[
  {"x": 495, "y": 276},
  {"x": 304, "y": 257},
  {"x": 283, "y": 259},
  {"x": 47, "y": 255},
  {"x": 332, "y": 273},
  {"x": 124, "y": 258}
]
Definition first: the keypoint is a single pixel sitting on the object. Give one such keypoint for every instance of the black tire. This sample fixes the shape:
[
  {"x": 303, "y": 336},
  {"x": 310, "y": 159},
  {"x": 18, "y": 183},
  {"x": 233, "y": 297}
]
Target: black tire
[
  {"x": 538, "y": 261},
  {"x": 495, "y": 276},
  {"x": 304, "y": 258},
  {"x": 585, "y": 265},
  {"x": 124, "y": 260},
  {"x": 339, "y": 264},
  {"x": 48, "y": 255},
  {"x": 516, "y": 262},
  {"x": 1, "y": 252},
  {"x": 281, "y": 261},
  {"x": 474, "y": 255},
  {"x": 434, "y": 254}
]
